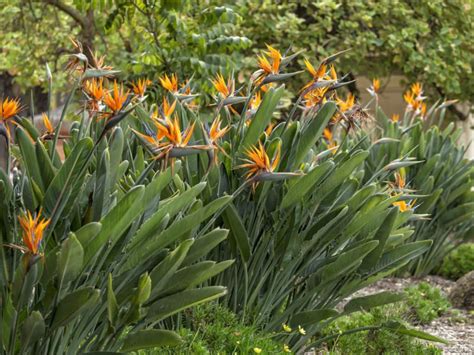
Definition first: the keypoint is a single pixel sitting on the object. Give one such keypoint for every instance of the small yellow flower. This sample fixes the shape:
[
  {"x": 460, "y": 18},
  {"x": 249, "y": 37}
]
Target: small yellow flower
[
  {"x": 286, "y": 328},
  {"x": 96, "y": 92},
  {"x": 269, "y": 128},
  {"x": 167, "y": 108},
  {"x": 275, "y": 56},
  {"x": 400, "y": 179},
  {"x": 172, "y": 131},
  {"x": 286, "y": 349},
  {"x": 404, "y": 206},
  {"x": 395, "y": 117},
  {"x": 257, "y": 350},
  {"x": 301, "y": 330},
  {"x": 269, "y": 63}
]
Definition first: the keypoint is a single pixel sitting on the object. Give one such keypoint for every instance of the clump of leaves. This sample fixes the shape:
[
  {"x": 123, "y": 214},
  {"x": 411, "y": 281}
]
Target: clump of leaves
[
  {"x": 426, "y": 302},
  {"x": 375, "y": 341},
  {"x": 459, "y": 262}
]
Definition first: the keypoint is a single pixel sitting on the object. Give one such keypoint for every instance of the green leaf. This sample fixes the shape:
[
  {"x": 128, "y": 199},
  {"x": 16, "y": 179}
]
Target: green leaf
[
  {"x": 116, "y": 222},
  {"x": 381, "y": 235},
  {"x": 143, "y": 291},
  {"x": 302, "y": 186},
  {"x": 112, "y": 305},
  {"x": 168, "y": 207},
  {"x": 340, "y": 174},
  {"x": 237, "y": 231},
  {"x": 88, "y": 232},
  {"x": 139, "y": 254},
  {"x": 172, "y": 304},
  {"x": 365, "y": 303},
  {"x": 313, "y": 131},
  {"x": 312, "y": 317},
  {"x": 203, "y": 245},
  {"x": 401, "y": 255},
  {"x": 58, "y": 192},
  {"x": 44, "y": 161},
  {"x": 167, "y": 268},
  {"x": 71, "y": 306},
  {"x": 28, "y": 155},
  {"x": 262, "y": 118},
  {"x": 346, "y": 261},
  {"x": 401, "y": 329},
  {"x": 151, "y": 338},
  {"x": 32, "y": 330},
  {"x": 70, "y": 259},
  {"x": 194, "y": 275}
]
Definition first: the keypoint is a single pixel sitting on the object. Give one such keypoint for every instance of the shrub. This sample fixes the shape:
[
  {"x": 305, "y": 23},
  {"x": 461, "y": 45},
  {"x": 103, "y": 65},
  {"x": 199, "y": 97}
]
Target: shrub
[
  {"x": 74, "y": 274},
  {"x": 436, "y": 173},
  {"x": 458, "y": 262},
  {"x": 426, "y": 302},
  {"x": 306, "y": 229}
]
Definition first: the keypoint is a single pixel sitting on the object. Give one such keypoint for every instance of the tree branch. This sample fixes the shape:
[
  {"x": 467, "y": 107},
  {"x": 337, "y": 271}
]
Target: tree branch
[{"x": 72, "y": 12}]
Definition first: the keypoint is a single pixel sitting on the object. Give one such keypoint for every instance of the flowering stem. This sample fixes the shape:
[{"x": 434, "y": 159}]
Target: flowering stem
[{"x": 63, "y": 115}]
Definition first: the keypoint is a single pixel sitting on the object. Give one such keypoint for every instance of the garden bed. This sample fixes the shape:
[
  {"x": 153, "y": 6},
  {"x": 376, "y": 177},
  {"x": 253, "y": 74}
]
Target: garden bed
[{"x": 456, "y": 326}]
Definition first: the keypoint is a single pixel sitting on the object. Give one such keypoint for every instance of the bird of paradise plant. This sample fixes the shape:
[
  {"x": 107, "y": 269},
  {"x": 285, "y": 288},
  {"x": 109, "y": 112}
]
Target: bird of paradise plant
[
  {"x": 415, "y": 100},
  {"x": 331, "y": 143},
  {"x": 225, "y": 89},
  {"x": 170, "y": 83},
  {"x": 96, "y": 92},
  {"x": 214, "y": 135},
  {"x": 139, "y": 86},
  {"x": 226, "y": 92},
  {"x": 263, "y": 61},
  {"x": 300, "y": 245},
  {"x": 47, "y": 125},
  {"x": 404, "y": 206},
  {"x": 259, "y": 165},
  {"x": 33, "y": 231},
  {"x": 116, "y": 99},
  {"x": 9, "y": 108}
]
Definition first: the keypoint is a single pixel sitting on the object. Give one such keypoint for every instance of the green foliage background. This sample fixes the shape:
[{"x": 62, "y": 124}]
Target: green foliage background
[{"x": 429, "y": 41}]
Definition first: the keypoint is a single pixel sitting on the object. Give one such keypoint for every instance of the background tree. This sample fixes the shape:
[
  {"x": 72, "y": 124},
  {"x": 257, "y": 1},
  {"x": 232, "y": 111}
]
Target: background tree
[{"x": 427, "y": 41}]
